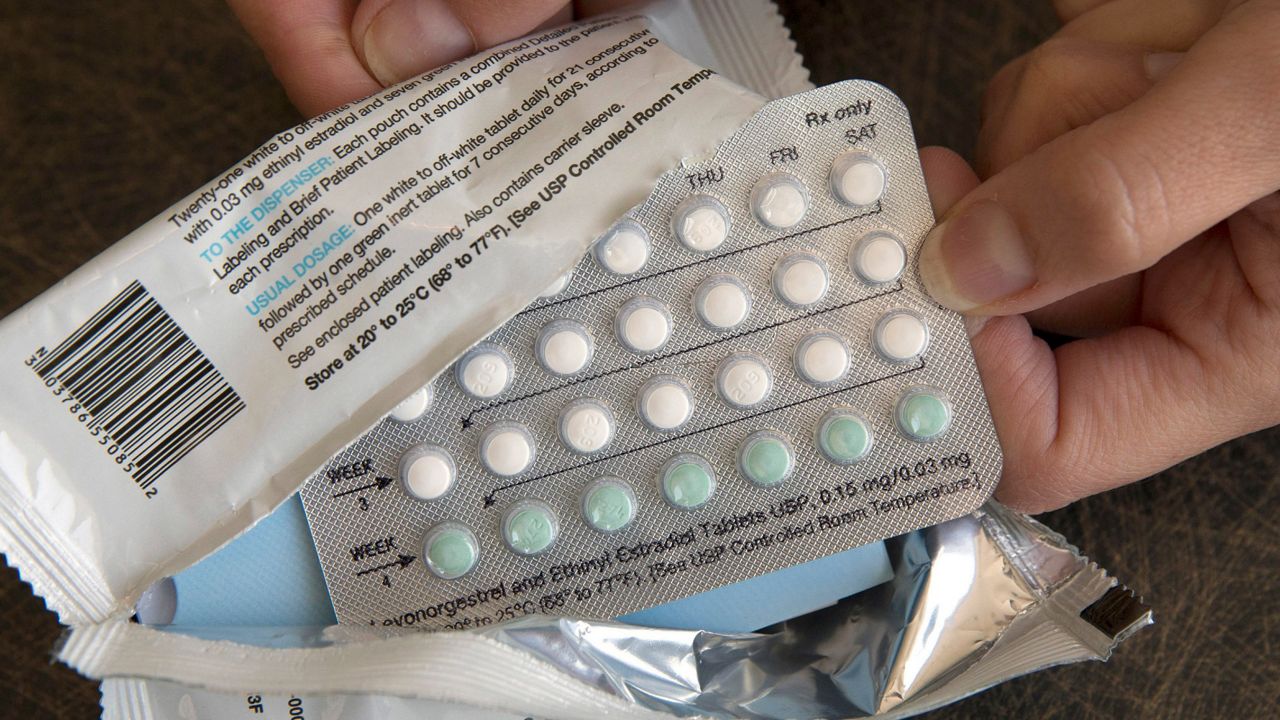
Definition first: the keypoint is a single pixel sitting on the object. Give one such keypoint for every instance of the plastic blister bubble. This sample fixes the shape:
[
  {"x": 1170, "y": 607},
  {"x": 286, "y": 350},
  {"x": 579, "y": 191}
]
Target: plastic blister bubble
[{"x": 686, "y": 440}]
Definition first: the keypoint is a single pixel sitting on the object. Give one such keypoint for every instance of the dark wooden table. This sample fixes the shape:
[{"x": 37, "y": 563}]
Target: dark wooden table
[{"x": 111, "y": 111}]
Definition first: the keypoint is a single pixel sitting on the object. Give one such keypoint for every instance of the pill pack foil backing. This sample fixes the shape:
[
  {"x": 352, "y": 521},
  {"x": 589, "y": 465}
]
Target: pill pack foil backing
[{"x": 369, "y": 533}]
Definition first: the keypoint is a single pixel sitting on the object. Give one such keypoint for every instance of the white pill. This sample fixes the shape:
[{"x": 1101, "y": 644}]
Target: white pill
[
  {"x": 900, "y": 335},
  {"x": 701, "y": 223},
  {"x": 878, "y": 258},
  {"x": 722, "y": 302},
  {"x": 429, "y": 477},
  {"x": 779, "y": 200},
  {"x": 484, "y": 372},
  {"x": 414, "y": 406},
  {"x": 643, "y": 324},
  {"x": 586, "y": 426},
  {"x": 857, "y": 178},
  {"x": 564, "y": 347},
  {"x": 624, "y": 249},
  {"x": 800, "y": 279},
  {"x": 743, "y": 380},
  {"x": 427, "y": 472},
  {"x": 506, "y": 449},
  {"x": 558, "y": 286},
  {"x": 822, "y": 358},
  {"x": 665, "y": 403},
  {"x": 565, "y": 352}
]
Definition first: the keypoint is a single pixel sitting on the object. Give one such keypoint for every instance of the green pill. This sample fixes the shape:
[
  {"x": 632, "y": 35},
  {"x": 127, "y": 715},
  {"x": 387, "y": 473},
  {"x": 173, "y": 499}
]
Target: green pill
[
  {"x": 451, "y": 551},
  {"x": 843, "y": 437},
  {"x": 530, "y": 527},
  {"x": 608, "y": 505},
  {"x": 923, "y": 413},
  {"x": 687, "y": 481},
  {"x": 765, "y": 458}
]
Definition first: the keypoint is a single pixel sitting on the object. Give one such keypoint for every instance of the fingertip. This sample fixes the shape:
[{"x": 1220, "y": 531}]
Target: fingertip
[
  {"x": 398, "y": 39},
  {"x": 947, "y": 176},
  {"x": 330, "y": 77},
  {"x": 976, "y": 258},
  {"x": 308, "y": 45}
]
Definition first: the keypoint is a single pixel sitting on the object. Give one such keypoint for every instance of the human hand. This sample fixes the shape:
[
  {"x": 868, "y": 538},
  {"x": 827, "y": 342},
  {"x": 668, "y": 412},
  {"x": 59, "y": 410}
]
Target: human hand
[
  {"x": 330, "y": 52},
  {"x": 1130, "y": 200}
]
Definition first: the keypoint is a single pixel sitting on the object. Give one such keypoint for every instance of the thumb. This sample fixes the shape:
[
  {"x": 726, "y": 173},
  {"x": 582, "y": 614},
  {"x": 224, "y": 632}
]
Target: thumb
[
  {"x": 398, "y": 39},
  {"x": 1114, "y": 197}
]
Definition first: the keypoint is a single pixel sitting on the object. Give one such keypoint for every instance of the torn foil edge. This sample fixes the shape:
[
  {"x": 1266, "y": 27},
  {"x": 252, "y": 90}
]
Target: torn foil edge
[{"x": 973, "y": 602}]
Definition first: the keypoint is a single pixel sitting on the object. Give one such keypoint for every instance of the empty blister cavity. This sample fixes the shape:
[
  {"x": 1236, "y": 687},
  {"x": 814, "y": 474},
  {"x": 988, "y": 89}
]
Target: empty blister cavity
[
  {"x": 744, "y": 380},
  {"x": 701, "y": 223},
  {"x": 664, "y": 403},
  {"x": 687, "y": 481},
  {"x": 878, "y": 258},
  {"x": 450, "y": 550},
  {"x": 564, "y": 347},
  {"x": 414, "y": 406},
  {"x": 558, "y": 286},
  {"x": 484, "y": 371},
  {"x": 530, "y": 527},
  {"x": 779, "y": 200},
  {"x": 822, "y": 358},
  {"x": 801, "y": 279},
  {"x": 586, "y": 426},
  {"x": 923, "y": 413},
  {"x": 427, "y": 472},
  {"x": 506, "y": 449},
  {"x": 608, "y": 504},
  {"x": 857, "y": 178},
  {"x": 843, "y": 436},
  {"x": 623, "y": 249},
  {"x": 766, "y": 458},
  {"x": 643, "y": 325},
  {"x": 900, "y": 336},
  {"x": 722, "y": 302}
]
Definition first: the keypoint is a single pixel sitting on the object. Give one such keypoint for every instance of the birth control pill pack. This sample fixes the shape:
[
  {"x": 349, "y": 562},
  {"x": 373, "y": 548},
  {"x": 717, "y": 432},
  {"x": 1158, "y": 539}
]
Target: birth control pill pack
[{"x": 744, "y": 374}]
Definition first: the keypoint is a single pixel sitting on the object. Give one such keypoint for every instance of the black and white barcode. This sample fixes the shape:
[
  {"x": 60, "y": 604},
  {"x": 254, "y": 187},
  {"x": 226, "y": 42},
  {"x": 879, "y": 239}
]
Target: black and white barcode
[{"x": 138, "y": 377}]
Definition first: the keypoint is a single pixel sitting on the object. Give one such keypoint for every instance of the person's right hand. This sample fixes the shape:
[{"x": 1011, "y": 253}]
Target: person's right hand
[
  {"x": 1133, "y": 162},
  {"x": 330, "y": 52}
]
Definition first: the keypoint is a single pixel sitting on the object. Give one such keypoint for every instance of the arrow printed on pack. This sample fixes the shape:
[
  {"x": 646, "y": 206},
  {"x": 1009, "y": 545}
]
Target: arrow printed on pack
[
  {"x": 379, "y": 484},
  {"x": 404, "y": 561}
]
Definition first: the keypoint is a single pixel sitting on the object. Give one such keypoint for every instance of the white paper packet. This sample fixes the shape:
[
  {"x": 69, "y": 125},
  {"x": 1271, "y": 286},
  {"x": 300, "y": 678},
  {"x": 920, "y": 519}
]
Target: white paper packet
[
  {"x": 137, "y": 699},
  {"x": 183, "y": 383}
]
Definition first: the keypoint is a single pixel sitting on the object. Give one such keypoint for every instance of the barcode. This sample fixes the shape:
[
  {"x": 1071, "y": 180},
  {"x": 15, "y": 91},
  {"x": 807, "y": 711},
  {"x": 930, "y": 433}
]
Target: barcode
[{"x": 137, "y": 377}]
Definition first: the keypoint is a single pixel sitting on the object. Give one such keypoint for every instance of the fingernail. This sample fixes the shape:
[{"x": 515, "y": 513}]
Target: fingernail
[
  {"x": 975, "y": 258},
  {"x": 1159, "y": 64},
  {"x": 410, "y": 37},
  {"x": 973, "y": 324}
]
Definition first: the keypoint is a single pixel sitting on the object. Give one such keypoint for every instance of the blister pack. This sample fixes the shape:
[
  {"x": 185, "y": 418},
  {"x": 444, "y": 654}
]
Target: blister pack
[{"x": 743, "y": 375}]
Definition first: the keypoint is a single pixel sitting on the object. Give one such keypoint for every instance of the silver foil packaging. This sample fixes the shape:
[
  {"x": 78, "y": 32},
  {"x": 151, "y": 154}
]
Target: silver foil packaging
[{"x": 973, "y": 602}]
